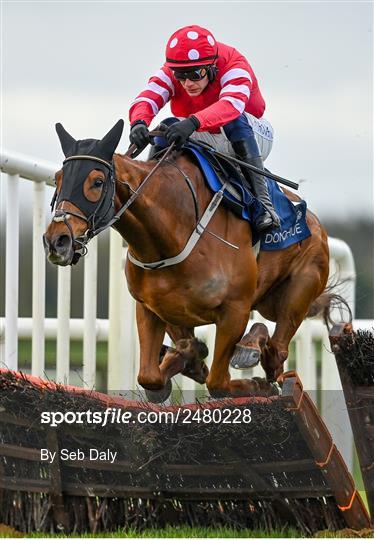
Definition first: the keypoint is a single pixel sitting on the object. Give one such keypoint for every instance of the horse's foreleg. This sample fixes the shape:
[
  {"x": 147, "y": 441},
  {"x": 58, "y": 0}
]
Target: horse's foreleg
[
  {"x": 151, "y": 331},
  {"x": 187, "y": 357}
]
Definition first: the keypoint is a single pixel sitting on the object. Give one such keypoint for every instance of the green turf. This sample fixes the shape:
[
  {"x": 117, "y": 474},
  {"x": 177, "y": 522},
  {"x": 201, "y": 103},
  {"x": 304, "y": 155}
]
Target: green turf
[
  {"x": 76, "y": 354},
  {"x": 185, "y": 532}
]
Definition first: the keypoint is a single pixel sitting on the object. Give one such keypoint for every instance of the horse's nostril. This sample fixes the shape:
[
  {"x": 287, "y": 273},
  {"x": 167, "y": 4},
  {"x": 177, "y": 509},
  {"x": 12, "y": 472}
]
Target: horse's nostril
[
  {"x": 62, "y": 242},
  {"x": 45, "y": 242}
]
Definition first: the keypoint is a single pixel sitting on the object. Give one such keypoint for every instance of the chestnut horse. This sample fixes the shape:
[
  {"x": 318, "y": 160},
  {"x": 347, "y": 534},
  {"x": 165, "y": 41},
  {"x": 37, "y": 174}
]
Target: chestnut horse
[{"x": 214, "y": 284}]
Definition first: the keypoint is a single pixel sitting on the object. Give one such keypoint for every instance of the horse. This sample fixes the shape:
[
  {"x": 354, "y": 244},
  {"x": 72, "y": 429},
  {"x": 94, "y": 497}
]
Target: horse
[{"x": 154, "y": 207}]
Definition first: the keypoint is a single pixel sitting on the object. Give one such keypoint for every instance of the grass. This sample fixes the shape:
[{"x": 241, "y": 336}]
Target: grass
[
  {"x": 185, "y": 532},
  {"x": 76, "y": 354}
]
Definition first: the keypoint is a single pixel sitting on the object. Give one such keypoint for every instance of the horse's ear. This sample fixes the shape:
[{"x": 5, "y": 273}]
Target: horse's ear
[
  {"x": 109, "y": 143},
  {"x": 66, "y": 140}
]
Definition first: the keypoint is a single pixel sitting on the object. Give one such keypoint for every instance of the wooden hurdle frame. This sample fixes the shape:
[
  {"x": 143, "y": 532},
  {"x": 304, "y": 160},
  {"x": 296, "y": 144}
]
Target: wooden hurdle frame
[{"x": 360, "y": 401}]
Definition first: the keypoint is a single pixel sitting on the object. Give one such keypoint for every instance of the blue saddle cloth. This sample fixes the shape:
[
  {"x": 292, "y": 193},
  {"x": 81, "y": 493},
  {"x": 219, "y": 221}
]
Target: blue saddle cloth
[{"x": 293, "y": 227}]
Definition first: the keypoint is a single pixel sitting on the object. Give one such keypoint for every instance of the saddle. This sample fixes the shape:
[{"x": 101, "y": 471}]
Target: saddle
[{"x": 238, "y": 198}]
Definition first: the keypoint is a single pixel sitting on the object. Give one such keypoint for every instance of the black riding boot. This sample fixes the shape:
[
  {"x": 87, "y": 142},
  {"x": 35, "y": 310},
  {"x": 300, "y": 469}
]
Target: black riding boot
[{"x": 247, "y": 150}]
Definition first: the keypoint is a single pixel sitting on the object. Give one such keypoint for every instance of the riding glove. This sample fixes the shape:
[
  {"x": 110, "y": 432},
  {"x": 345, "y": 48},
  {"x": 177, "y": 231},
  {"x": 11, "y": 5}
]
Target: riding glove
[
  {"x": 180, "y": 131},
  {"x": 139, "y": 134}
]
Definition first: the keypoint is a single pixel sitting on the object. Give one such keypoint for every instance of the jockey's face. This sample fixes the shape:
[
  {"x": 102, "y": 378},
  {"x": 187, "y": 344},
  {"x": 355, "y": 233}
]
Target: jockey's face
[{"x": 195, "y": 88}]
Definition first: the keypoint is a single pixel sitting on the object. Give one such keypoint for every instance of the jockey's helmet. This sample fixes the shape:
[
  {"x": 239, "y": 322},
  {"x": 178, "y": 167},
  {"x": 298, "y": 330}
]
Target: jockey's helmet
[{"x": 191, "y": 46}]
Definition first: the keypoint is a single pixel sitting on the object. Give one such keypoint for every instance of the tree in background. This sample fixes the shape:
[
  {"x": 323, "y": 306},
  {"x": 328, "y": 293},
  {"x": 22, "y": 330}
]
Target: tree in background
[{"x": 359, "y": 235}]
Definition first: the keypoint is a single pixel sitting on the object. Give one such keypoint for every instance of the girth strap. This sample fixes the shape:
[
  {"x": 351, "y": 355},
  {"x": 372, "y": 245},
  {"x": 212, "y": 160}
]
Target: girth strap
[{"x": 192, "y": 241}]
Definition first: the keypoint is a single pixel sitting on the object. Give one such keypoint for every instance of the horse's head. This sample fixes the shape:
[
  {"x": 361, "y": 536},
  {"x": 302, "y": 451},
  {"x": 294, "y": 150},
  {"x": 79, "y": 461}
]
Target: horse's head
[{"x": 84, "y": 196}]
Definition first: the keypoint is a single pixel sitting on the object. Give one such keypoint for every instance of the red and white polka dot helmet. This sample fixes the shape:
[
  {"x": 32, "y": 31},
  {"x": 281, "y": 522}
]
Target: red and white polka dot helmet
[{"x": 191, "y": 46}]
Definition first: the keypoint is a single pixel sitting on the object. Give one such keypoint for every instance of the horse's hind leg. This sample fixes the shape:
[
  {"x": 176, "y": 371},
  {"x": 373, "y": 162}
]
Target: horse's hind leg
[
  {"x": 187, "y": 357},
  {"x": 292, "y": 306},
  {"x": 248, "y": 351},
  {"x": 230, "y": 328}
]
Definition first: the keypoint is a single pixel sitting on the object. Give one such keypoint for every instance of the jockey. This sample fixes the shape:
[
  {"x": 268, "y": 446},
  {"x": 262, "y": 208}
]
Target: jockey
[{"x": 211, "y": 88}]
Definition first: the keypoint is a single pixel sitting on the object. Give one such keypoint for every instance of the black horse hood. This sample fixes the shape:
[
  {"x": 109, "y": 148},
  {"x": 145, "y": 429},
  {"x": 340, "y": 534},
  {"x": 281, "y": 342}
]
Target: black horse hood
[
  {"x": 103, "y": 148},
  {"x": 76, "y": 169}
]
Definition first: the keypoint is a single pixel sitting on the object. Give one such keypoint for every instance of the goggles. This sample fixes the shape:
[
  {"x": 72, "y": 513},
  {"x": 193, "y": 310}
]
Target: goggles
[{"x": 191, "y": 74}]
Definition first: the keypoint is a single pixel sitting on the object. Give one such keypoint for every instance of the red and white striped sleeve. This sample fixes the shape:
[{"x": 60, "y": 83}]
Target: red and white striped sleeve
[
  {"x": 157, "y": 93},
  {"x": 236, "y": 86}
]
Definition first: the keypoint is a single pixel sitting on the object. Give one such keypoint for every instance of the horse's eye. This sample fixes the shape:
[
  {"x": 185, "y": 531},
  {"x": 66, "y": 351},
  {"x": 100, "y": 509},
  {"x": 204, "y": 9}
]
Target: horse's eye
[{"x": 98, "y": 182}]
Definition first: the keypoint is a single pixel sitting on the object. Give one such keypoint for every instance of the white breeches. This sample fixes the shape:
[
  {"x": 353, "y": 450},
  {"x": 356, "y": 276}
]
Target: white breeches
[{"x": 262, "y": 130}]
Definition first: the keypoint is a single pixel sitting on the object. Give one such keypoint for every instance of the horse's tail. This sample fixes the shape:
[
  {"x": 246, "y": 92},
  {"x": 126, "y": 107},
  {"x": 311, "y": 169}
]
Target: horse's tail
[{"x": 329, "y": 300}]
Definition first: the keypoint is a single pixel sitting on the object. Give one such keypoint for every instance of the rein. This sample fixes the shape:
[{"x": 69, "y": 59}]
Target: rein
[
  {"x": 201, "y": 223},
  {"x": 132, "y": 152}
]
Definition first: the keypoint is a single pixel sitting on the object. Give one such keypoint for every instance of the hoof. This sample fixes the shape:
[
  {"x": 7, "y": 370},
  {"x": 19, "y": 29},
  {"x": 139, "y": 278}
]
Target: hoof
[
  {"x": 268, "y": 388},
  {"x": 159, "y": 396},
  {"x": 245, "y": 357},
  {"x": 202, "y": 350},
  {"x": 277, "y": 389}
]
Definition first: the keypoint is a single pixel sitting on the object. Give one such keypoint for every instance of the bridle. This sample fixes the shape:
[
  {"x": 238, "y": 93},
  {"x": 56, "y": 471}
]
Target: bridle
[
  {"x": 199, "y": 228},
  {"x": 94, "y": 220}
]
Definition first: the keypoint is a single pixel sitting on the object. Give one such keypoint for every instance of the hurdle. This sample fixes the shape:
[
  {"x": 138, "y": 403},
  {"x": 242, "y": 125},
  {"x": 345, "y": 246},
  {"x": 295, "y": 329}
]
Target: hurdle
[{"x": 280, "y": 469}]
